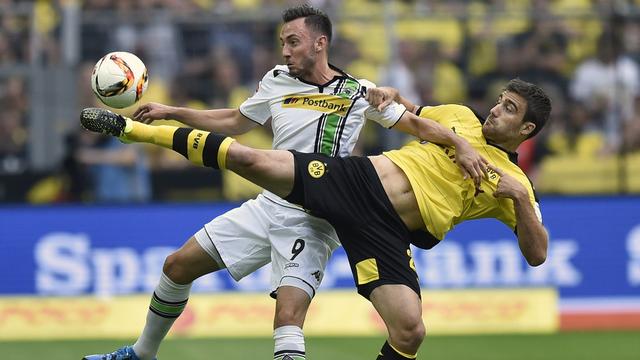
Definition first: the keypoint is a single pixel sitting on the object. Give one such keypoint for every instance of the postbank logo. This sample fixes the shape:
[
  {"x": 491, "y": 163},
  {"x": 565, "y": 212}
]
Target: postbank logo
[
  {"x": 328, "y": 104},
  {"x": 316, "y": 169}
]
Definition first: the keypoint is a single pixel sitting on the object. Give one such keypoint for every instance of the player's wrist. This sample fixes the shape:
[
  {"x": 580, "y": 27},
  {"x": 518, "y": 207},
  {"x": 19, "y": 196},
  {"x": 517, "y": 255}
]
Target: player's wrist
[
  {"x": 459, "y": 142},
  {"x": 519, "y": 195}
]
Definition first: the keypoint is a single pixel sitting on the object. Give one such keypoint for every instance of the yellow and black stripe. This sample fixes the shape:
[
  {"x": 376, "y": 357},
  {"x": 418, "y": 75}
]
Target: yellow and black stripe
[{"x": 198, "y": 146}]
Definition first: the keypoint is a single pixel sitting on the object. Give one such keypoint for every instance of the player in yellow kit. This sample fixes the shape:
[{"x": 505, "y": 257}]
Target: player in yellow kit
[{"x": 378, "y": 205}]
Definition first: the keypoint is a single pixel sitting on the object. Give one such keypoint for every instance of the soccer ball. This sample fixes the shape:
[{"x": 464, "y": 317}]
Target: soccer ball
[{"x": 119, "y": 79}]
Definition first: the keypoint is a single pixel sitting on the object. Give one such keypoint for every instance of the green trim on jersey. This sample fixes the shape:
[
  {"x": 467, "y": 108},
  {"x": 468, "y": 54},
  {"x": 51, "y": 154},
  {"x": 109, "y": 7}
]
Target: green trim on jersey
[
  {"x": 330, "y": 126},
  {"x": 328, "y": 141}
]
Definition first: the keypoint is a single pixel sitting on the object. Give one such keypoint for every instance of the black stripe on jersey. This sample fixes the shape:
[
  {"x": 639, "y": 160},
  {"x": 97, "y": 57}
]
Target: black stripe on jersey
[
  {"x": 322, "y": 121},
  {"x": 319, "y": 131},
  {"x": 419, "y": 110},
  {"x": 342, "y": 120},
  {"x": 354, "y": 98}
]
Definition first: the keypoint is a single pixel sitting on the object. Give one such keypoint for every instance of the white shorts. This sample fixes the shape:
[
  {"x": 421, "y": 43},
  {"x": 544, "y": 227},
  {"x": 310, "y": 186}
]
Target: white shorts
[{"x": 261, "y": 231}]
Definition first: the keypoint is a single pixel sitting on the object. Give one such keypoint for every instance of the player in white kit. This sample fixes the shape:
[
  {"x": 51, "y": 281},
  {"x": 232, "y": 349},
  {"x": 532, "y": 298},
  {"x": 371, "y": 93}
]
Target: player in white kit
[{"x": 314, "y": 107}]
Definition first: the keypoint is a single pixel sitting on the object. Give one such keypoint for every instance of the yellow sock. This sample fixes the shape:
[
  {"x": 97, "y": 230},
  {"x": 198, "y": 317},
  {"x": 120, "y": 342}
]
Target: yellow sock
[{"x": 200, "y": 147}]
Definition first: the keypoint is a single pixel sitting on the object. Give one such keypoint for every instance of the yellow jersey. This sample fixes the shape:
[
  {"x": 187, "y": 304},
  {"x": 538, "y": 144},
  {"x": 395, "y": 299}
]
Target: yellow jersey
[{"x": 444, "y": 197}]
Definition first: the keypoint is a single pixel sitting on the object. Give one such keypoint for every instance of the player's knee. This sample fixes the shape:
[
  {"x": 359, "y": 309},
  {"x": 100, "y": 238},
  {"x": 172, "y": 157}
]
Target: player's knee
[
  {"x": 409, "y": 335},
  {"x": 289, "y": 315},
  {"x": 243, "y": 157},
  {"x": 176, "y": 268}
]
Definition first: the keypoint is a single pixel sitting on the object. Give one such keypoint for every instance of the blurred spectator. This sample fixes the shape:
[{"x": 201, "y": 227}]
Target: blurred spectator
[
  {"x": 13, "y": 130},
  {"x": 13, "y": 137},
  {"x": 400, "y": 73},
  {"x": 210, "y": 53},
  {"x": 509, "y": 65},
  {"x": 142, "y": 38},
  {"x": 118, "y": 172},
  {"x": 544, "y": 51},
  {"x": 607, "y": 85}
]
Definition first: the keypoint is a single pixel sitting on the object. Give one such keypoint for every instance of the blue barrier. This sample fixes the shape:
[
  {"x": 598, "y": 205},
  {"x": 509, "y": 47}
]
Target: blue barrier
[{"x": 107, "y": 250}]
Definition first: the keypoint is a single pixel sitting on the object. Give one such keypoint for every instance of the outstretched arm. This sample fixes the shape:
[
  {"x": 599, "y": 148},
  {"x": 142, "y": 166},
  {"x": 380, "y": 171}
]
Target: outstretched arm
[
  {"x": 471, "y": 163},
  {"x": 221, "y": 121},
  {"x": 532, "y": 236}
]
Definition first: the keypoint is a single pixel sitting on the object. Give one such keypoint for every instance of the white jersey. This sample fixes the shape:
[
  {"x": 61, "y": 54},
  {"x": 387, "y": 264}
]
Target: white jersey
[{"x": 315, "y": 118}]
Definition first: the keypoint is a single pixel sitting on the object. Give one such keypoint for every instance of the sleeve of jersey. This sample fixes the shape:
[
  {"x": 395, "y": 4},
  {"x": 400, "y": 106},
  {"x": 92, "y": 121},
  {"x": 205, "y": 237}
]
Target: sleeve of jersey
[
  {"x": 435, "y": 113},
  {"x": 257, "y": 107},
  {"x": 388, "y": 117}
]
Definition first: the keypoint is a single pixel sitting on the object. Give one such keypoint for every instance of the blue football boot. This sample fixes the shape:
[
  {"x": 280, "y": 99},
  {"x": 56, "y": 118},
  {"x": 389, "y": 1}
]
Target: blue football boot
[{"x": 124, "y": 353}]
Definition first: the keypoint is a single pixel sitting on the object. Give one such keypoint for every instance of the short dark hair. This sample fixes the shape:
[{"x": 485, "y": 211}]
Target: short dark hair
[
  {"x": 314, "y": 18},
  {"x": 538, "y": 103}
]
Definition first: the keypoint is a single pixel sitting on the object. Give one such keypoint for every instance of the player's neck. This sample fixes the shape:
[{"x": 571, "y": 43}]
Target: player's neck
[{"x": 321, "y": 73}]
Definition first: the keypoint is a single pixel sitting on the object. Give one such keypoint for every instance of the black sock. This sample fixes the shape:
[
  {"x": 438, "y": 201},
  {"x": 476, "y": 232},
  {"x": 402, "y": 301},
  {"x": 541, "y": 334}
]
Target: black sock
[{"x": 389, "y": 353}]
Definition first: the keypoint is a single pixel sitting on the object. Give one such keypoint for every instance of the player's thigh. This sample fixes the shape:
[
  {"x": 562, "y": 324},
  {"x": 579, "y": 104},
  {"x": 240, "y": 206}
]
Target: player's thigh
[
  {"x": 240, "y": 237},
  {"x": 301, "y": 247},
  {"x": 399, "y": 306}
]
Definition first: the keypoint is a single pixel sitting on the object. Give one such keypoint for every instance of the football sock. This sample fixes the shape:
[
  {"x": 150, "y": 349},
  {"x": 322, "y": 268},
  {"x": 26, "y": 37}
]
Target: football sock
[
  {"x": 168, "y": 301},
  {"x": 389, "y": 353},
  {"x": 289, "y": 343},
  {"x": 200, "y": 147}
]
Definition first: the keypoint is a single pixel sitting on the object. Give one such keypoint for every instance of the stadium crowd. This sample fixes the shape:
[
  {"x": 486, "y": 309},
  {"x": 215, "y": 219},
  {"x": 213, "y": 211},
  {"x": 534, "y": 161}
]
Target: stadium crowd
[{"x": 212, "y": 53}]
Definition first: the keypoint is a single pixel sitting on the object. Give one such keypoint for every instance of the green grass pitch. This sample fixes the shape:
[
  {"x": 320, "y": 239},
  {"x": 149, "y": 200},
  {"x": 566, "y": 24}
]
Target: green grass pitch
[{"x": 562, "y": 346}]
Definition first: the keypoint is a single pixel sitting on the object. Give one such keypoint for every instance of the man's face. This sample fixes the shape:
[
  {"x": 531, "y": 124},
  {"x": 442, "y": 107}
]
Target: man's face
[
  {"x": 298, "y": 47},
  {"x": 504, "y": 123}
]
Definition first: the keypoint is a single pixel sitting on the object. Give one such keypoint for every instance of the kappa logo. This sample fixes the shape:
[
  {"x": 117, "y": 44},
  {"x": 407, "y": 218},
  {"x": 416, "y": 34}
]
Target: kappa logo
[
  {"x": 316, "y": 169},
  {"x": 318, "y": 275}
]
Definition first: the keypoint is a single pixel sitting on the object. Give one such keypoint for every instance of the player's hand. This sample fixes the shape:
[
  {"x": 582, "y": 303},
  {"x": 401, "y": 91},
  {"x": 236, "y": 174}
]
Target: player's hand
[
  {"x": 508, "y": 186},
  {"x": 471, "y": 163},
  {"x": 381, "y": 97},
  {"x": 147, "y": 113}
]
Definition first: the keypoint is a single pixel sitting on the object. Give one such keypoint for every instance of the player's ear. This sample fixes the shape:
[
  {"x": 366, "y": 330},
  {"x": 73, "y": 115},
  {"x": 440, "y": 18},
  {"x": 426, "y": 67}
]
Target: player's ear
[
  {"x": 527, "y": 128},
  {"x": 321, "y": 43}
]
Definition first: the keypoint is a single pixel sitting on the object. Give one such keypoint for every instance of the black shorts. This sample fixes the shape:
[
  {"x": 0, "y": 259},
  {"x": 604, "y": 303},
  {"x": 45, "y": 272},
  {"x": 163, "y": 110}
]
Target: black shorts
[{"x": 348, "y": 194}]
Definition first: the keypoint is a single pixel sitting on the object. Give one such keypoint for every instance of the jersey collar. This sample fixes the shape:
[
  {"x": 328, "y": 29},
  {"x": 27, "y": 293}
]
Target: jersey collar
[{"x": 343, "y": 75}]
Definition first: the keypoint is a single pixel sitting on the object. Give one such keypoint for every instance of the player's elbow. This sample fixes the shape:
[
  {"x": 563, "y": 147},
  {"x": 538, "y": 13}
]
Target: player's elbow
[
  {"x": 537, "y": 259},
  {"x": 537, "y": 256}
]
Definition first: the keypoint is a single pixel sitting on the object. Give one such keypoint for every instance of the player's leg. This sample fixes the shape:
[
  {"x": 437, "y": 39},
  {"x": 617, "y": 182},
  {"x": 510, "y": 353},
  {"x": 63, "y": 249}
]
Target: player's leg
[
  {"x": 169, "y": 299},
  {"x": 171, "y": 294},
  {"x": 401, "y": 310},
  {"x": 236, "y": 240},
  {"x": 301, "y": 247},
  {"x": 292, "y": 304},
  {"x": 271, "y": 169}
]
